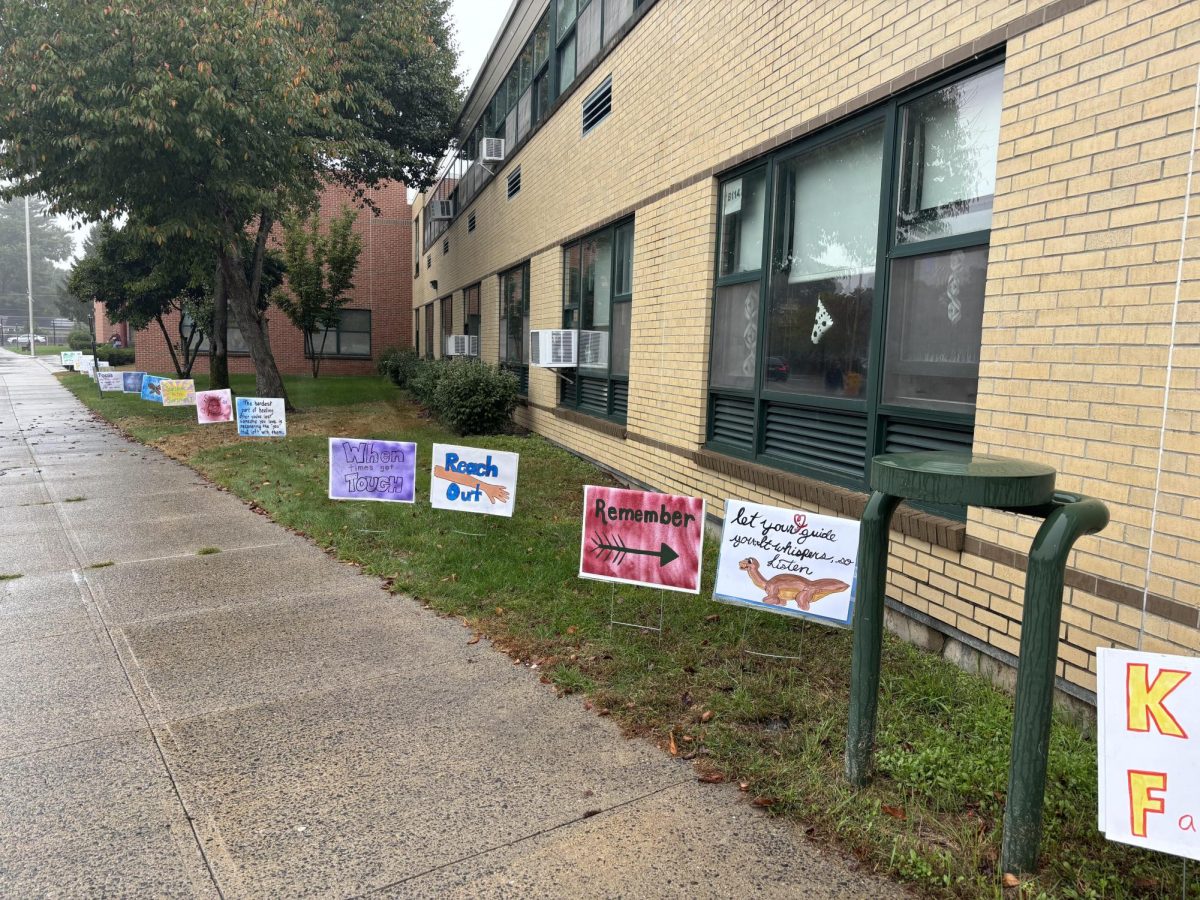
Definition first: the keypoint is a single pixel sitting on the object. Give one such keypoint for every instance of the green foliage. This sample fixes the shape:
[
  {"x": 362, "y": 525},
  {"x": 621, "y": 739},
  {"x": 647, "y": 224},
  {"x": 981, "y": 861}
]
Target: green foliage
[
  {"x": 80, "y": 339},
  {"x": 473, "y": 397},
  {"x": 423, "y": 382},
  {"x": 399, "y": 365},
  {"x": 117, "y": 356},
  {"x": 320, "y": 276}
]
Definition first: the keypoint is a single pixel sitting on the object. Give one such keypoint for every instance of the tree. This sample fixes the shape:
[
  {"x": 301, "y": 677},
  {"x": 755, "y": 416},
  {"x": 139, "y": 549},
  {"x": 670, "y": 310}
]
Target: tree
[
  {"x": 320, "y": 276},
  {"x": 140, "y": 281},
  {"x": 208, "y": 121},
  {"x": 49, "y": 244}
]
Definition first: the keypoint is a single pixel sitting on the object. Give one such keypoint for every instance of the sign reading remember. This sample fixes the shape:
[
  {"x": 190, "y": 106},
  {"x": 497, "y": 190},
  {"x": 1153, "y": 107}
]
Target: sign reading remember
[
  {"x": 639, "y": 537},
  {"x": 788, "y": 561},
  {"x": 473, "y": 480},
  {"x": 1148, "y": 737},
  {"x": 372, "y": 470},
  {"x": 261, "y": 417}
]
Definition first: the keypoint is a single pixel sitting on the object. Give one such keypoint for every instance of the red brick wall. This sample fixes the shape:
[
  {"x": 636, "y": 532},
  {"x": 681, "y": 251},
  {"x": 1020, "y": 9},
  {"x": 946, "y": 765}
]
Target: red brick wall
[
  {"x": 383, "y": 284},
  {"x": 106, "y": 329}
]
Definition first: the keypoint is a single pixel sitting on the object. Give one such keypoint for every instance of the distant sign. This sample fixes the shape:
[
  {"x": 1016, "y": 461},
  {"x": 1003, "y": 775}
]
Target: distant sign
[
  {"x": 70, "y": 357},
  {"x": 85, "y": 363},
  {"x": 152, "y": 389},
  {"x": 111, "y": 381},
  {"x": 178, "y": 392},
  {"x": 473, "y": 480},
  {"x": 104, "y": 364},
  {"x": 1148, "y": 740},
  {"x": 788, "y": 561},
  {"x": 639, "y": 537},
  {"x": 385, "y": 471},
  {"x": 214, "y": 406},
  {"x": 261, "y": 417},
  {"x": 131, "y": 382}
]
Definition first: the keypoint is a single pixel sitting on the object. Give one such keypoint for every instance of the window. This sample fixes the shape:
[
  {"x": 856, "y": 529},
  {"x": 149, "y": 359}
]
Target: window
[
  {"x": 447, "y": 314},
  {"x": 417, "y": 331},
  {"x": 429, "y": 330},
  {"x": 514, "y": 323},
  {"x": 471, "y": 315},
  {"x": 849, "y": 286},
  {"x": 234, "y": 342},
  {"x": 350, "y": 337},
  {"x": 597, "y": 302},
  {"x": 514, "y": 182}
]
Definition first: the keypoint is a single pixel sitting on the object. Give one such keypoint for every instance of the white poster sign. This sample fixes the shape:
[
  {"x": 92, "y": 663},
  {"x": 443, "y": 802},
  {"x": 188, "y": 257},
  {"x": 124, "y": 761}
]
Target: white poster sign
[
  {"x": 70, "y": 357},
  {"x": 111, "y": 381},
  {"x": 788, "y": 561},
  {"x": 733, "y": 198},
  {"x": 86, "y": 363},
  {"x": 1148, "y": 736},
  {"x": 473, "y": 480},
  {"x": 261, "y": 417}
]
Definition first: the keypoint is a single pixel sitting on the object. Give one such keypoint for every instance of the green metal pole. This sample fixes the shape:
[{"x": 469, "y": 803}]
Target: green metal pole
[
  {"x": 1035, "y": 676},
  {"x": 868, "y": 634}
]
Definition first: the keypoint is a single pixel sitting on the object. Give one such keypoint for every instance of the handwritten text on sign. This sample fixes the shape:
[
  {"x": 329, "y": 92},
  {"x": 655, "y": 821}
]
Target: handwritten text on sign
[
  {"x": 473, "y": 480},
  {"x": 111, "y": 381},
  {"x": 639, "y": 537},
  {"x": 788, "y": 561},
  {"x": 372, "y": 470},
  {"x": 261, "y": 417},
  {"x": 1148, "y": 724},
  {"x": 178, "y": 392}
]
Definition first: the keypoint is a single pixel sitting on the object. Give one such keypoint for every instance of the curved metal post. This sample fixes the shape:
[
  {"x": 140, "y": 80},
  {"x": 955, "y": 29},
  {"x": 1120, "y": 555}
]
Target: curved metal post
[
  {"x": 1064, "y": 525},
  {"x": 868, "y": 633}
]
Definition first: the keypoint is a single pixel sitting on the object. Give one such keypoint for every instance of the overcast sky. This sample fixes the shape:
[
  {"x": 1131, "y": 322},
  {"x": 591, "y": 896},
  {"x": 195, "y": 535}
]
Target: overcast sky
[{"x": 475, "y": 25}]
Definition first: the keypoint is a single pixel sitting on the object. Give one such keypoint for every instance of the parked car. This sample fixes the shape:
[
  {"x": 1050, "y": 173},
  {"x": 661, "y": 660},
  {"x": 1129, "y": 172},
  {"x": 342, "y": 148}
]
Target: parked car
[
  {"x": 23, "y": 339},
  {"x": 777, "y": 369}
]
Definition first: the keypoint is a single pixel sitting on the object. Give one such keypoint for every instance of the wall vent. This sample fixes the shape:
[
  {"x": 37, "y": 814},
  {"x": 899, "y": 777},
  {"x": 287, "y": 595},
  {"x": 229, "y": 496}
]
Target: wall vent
[
  {"x": 445, "y": 246},
  {"x": 471, "y": 222},
  {"x": 514, "y": 182},
  {"x": 597, "y": 105}
]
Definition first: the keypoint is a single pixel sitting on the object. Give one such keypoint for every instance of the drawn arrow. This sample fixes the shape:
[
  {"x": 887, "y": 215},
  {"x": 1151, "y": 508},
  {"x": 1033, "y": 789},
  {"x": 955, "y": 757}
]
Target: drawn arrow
[{"x": 616, "y": 550}]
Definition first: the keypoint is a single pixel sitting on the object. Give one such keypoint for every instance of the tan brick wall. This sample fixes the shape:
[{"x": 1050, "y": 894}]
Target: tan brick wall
[{"x": 1096, "y": 135}]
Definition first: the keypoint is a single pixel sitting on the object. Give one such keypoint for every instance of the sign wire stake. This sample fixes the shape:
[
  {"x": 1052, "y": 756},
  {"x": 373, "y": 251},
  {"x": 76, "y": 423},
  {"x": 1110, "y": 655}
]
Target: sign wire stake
[
  {"x": 612, "y": 617},
  {"x": 745, "y": 627}
]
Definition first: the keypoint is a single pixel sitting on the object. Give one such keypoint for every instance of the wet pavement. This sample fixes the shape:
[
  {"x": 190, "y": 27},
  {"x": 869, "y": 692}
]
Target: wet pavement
[{"x": 268, "y": 722}]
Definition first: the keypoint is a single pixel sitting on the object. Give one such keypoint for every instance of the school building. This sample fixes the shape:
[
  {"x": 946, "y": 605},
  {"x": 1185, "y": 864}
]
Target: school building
[
  {"x": 790, "y": 236},
  {"x": 376, "y": 319}
]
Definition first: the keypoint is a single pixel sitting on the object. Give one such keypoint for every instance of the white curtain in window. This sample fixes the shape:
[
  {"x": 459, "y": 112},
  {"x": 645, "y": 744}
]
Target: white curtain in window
[
  {"x": 836, "y": 227},
  {"x": 754, "y": 201},
  {"x": 960, "y": 130}
]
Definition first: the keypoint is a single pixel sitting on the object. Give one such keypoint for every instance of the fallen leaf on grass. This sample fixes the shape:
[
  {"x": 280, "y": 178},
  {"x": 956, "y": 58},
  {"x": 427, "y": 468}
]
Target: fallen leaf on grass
[
  {"x": 1011, "y": 880},
  {"x": 474, "y": 639},
  {"x": 712, "y": 778},
  {"x": 587, "y": 704},
  {"x": 764, "y": 801},
  {"x": 896, "y": 812},
  {"x": 743, "y": 786},
  {"x": 713, "y": 618},
  {"x": 707, "y": 716},
  {"x": 571, "y": 629},
  {"x": 671, "y": 746}
]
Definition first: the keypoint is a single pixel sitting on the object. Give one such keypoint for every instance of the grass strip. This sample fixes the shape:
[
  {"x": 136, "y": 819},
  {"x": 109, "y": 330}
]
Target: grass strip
[{"x": 930, "y": 819}]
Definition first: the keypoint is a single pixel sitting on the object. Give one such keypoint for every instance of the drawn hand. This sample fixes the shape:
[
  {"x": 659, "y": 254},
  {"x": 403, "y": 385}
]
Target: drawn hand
[{"x": 497, "y": 493}]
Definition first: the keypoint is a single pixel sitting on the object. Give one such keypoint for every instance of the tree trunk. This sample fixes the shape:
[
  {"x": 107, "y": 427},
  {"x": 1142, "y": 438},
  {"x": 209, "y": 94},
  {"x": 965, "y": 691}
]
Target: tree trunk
[
  {"x": 167, "y": 337},
  {"x": 218, "y": 341},
  {"x": 250, "y": 320}
]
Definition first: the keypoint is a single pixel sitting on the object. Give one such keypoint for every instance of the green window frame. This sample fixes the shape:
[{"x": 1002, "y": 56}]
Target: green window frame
[
  {"x": 514, "y": 323},
  {"x": 598, "y": 305},
  {"x": 349, "y": 338},
  {"x": 472, "y": 313},
  {"x": 848, "y": 323},
  {"x": 447, "y": 314},
  {"x": 429, "y": 330}
]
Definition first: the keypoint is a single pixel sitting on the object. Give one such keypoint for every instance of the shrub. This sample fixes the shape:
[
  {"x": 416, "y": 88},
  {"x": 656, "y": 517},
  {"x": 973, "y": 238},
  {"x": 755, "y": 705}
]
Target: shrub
[
  {"x": 423, "y": 381},
  {"x": 117, "y": 356},
  {"x": 472, "y": 397},
  {"x": 399, "y": 365},
  {"x": 79, "y": 339}
]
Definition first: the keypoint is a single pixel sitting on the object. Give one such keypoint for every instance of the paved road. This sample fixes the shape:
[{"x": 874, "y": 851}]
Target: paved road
[{"x": 267, "y": 722}]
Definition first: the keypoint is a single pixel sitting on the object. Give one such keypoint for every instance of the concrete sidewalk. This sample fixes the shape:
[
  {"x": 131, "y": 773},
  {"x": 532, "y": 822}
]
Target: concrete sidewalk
[{"x": 268, "y": 722}]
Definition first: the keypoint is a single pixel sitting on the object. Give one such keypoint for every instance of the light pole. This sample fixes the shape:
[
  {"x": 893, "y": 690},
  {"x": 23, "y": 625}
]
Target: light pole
[{"x": 29, "y": 277}]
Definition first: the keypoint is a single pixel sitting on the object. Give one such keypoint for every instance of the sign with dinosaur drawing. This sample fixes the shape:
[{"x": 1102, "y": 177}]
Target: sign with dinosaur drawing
[
  {"x": 473, "y": 480},
  {"x": 639, "y": 537},
  {"x": 788, "y": 561}
]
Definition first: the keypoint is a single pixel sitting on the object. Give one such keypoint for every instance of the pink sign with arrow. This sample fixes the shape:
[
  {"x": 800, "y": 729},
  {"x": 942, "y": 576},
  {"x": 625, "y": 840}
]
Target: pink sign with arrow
[{"x": 639, "y": 537}]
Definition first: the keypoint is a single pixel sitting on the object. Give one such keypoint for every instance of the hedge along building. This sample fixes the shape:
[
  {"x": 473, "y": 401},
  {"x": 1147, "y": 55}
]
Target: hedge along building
[
  {"x": 806, "y": 233},
  {"x": 375, "y": 319}
]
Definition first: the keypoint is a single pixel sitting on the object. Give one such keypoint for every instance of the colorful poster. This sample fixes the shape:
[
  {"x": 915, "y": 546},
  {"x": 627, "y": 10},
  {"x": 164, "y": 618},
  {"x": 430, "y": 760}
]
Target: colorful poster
[
  {"x": 473, "y": 480},
  {"x": 261, "y": 417},
  {"x": 70, "y": 357},
  {"x": 178, "y": 392},
  {"x": 788, "y": 561},
  {"x": 111, "y": 381},
  {"x": 214, "y": 406},
  {"x": 639, "y": 537},
  {"x": 1148, "y": 739},
  {"x": 151, "y": 389},
  {"x": 372, "y": 470},
  {"x": 131, "y": 382}
]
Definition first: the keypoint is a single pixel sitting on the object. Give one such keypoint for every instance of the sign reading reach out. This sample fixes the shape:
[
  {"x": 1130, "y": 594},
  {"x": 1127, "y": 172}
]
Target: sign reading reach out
[
  {"x": 473, "y": 480},
  {"x": 1148, "y": 741}
]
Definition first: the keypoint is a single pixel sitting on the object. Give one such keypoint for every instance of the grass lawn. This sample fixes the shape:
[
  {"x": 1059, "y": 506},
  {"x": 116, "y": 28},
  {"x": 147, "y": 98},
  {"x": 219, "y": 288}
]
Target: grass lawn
[{"x": 930, "y": 819}]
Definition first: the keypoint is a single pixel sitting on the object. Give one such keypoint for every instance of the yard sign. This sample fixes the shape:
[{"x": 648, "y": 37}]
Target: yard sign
[
  {"x": 111, "y": 381},
  {"x": 639, "y": 537},
  {"x": 178, "y": 392},
  {"x": 1148, "y": 736},
  {"x": 213, "y": 407},
  {"x": 788, "y": 561},
  {"x": 261, "y": 417},
  {"x": 473, "y": 480},
  {"x": 131, "y": 382},
  {"x": 152, "y": 389},
  {"x": 372, "y": 470}
]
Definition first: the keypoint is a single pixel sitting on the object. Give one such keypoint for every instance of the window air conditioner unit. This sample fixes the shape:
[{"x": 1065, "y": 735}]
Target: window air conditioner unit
[
  {"x": 442, "y": 210},
  {"x": 553, "y": 348},
  {"x": 593, "y": 349},
  {"x": 491, "y": 150},
  {"x": 462, "y": 345}
]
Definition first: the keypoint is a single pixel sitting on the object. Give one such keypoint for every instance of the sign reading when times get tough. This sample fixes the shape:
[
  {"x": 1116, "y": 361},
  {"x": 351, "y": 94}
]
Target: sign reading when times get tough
[{"x": 638, "y": 537}]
